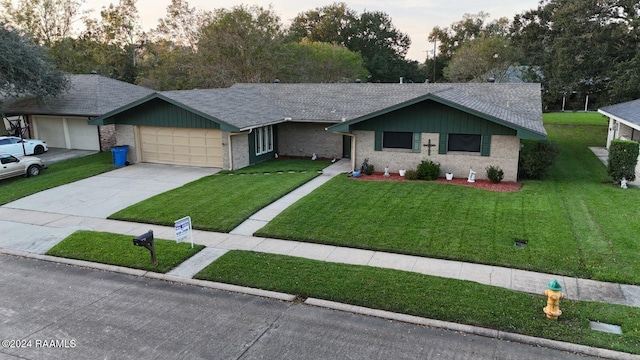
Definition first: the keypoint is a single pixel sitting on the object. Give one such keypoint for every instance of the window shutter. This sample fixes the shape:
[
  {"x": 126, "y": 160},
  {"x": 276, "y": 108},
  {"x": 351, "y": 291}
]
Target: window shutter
[
  {"x": 485, "y": 148},
  {"x": 442, "y": 149},
  {"x": 417, "y": 141},
  {"x": 378, "y": 141}
]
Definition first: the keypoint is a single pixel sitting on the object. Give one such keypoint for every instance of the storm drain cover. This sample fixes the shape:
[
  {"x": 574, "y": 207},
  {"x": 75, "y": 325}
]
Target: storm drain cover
[
  {"x": 520, "y": 242},
  {"x": 608, "y": 328}
]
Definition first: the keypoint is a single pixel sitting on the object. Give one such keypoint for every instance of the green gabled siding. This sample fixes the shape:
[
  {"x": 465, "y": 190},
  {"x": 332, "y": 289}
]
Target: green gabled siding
[
  {"x": 433, "y": 117},
  {"x": 158, "y": 112}
]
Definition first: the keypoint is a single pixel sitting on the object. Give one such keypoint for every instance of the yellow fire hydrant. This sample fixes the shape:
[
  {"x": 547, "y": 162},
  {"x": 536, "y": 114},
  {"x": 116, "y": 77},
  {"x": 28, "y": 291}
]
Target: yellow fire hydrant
[{"x": 553, "y": 294}]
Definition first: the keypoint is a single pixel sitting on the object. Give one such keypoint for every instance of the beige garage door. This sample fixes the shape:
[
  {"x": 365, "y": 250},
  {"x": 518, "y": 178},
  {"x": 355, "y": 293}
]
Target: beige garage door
[
  {"x": 181, "y": 146},
  {"x": 66, "y": 132}
]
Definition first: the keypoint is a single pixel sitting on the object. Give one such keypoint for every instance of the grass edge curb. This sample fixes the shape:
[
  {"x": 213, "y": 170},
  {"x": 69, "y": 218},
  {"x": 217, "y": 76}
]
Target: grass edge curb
[
  {"x": 383, "y": 314},
  {"x": 474, "y": 330}
]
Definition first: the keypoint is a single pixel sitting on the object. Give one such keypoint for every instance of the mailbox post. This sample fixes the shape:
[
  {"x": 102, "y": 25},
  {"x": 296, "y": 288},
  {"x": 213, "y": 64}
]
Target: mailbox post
[{"x": 146, "y": 240}]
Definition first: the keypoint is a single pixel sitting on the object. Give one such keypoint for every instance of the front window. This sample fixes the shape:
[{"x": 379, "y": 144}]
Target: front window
[
  {"x": 397, "y": 140},
  {"x": 264, "y": 139},
  {"x": 464, "y": 142}
]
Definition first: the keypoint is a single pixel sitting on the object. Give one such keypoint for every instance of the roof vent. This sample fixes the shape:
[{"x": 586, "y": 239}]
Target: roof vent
[
  {"x": 358, "y": 81},
  {"x": 401, "y": 80},
  {"x": 93, "y": 72},
  {"x": 491, "y": 80},
  {"x": 276, "y": 81}
]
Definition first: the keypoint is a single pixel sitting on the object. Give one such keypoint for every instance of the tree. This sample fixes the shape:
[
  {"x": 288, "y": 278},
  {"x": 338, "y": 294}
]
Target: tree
[
  {"x": 47, "y": 21},
  {"x": 164, "y": 66},
  {"x": 110, "y": 44},
  {"x": 372, "y": 34},
  {"x": 240, "y": 45},
  {"x": 181, "y": 26},
  {"x": 330, "y": 24},
  {"x": 470, "y": 27},
  {"x": 382, "y": 46},
  {"x": 308, "y": 61},
  {"x": 582, "y": 46},
  {"x": 169, "y": 57},
  {"x": 85, "y": 54},
  {"x": 481, "y": 59},
  {"x": 25, "y": 69}
]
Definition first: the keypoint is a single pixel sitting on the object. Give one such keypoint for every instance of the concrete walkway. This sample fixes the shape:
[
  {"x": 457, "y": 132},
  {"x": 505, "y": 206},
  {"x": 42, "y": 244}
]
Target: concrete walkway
[
  {"x": 30, "y": 230},
  {"x": 262, "y": 217},
  {"x": 218, "y": 243}
]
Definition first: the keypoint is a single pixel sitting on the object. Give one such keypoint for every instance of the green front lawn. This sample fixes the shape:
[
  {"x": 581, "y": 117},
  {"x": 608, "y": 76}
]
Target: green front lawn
[
  {"x": 115, "y": 249},
  {"x": 451, "y": 300},
  {"x": 57, "y": 174},
  {"x": 574, "y": 224},
  {"x": 223, "y": 201}
]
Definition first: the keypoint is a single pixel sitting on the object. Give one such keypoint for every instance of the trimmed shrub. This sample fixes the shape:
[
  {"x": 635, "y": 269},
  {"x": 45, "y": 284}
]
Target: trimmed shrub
[
  {"x": 494, "y": 174},
  {"x": 623, "y": 158},
  {"x": 536, "y": 157},
  {"x": 428, "y": 170},
  {"x": 411, "y": 175},
  {"x": 368, "y": 169}
]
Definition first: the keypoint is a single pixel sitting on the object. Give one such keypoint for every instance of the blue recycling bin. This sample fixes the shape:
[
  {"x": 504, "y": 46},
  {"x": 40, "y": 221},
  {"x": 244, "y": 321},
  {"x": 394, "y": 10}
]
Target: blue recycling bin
[{"x": 119, "y": 154}]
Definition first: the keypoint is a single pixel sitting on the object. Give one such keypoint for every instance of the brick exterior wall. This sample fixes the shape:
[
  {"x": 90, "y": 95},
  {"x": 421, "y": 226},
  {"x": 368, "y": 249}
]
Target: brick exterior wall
[
  {"x": 107, "y": 137},
  {"x": 126, "y": 135},
  {"x": 504, "y": 153},
  {"x": 304, "y": 139}
]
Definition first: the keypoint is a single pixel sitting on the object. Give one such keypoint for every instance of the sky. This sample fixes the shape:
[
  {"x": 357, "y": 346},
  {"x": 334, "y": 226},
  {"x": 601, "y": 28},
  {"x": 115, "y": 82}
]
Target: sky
[{"x": 413, "y": 17}]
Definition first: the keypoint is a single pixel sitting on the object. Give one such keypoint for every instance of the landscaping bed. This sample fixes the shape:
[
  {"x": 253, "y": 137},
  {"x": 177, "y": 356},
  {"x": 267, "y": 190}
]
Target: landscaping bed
[{"x": 503, "y": 186}]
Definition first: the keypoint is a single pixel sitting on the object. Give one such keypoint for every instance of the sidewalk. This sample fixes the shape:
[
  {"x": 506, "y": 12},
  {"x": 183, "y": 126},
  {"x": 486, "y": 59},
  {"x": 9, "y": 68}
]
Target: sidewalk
[
  {"x": 218, "y": 243},
  {"x": 35, "y": 231}
]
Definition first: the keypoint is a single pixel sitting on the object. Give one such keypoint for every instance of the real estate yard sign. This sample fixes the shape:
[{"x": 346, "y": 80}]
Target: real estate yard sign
[{"x": 183, "y": 230}]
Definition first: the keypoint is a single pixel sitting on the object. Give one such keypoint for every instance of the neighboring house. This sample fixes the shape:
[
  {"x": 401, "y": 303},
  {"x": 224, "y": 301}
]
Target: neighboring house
[
  {"x": 63, "y": 121},
  {"x": 624, "y": 122},
  {"x": 461, "y": 126}
]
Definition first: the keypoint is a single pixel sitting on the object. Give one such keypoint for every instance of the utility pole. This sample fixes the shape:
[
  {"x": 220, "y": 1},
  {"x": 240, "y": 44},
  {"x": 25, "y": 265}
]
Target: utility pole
[{"x": 435, "y": 41}]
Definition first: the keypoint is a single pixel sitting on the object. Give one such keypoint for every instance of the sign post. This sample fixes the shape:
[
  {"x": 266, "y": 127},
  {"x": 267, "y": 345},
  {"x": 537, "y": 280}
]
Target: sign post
[{"x": 183, "y": 230}]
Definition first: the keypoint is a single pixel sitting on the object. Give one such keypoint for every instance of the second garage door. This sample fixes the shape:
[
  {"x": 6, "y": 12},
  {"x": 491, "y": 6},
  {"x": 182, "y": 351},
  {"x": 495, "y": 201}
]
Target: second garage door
[{"x": 181, "y": 146}]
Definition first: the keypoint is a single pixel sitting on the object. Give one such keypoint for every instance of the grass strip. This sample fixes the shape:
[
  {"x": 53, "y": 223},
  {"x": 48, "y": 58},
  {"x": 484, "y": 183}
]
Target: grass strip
[
  {"x": 116, "y": 249},
  {"x": 223, "y": 201},
  {"x": 451, "y": 300},
  {"x": 56, "y": 174}
]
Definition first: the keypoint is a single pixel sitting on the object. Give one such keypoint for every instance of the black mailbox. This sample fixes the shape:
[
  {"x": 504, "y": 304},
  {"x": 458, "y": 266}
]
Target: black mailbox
[{"x": 146, "y": 240}]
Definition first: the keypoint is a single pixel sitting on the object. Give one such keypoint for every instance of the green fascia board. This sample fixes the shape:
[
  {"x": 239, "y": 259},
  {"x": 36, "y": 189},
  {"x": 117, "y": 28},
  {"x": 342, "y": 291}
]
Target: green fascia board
[
  {"x": 104, "y": 119},
  {"x": 522, "y": 133}
]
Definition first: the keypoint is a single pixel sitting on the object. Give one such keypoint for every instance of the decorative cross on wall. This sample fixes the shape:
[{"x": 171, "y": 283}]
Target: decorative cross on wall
[{"x": 429, "y": 145}]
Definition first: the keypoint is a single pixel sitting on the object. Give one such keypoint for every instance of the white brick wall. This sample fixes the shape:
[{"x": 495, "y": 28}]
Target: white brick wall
[
  {"x": 125, "y": 135},
  {"x": 504, "y": 153}
]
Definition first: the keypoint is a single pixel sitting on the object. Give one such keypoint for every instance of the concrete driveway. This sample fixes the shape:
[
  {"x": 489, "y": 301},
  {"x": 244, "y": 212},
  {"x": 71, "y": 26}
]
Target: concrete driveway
[{"x": 105, "y": 194}]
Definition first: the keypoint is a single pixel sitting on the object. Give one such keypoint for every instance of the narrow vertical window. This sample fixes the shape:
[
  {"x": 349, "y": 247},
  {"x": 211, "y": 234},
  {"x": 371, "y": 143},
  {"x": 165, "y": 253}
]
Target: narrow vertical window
[{"x": 264, "y": 139}]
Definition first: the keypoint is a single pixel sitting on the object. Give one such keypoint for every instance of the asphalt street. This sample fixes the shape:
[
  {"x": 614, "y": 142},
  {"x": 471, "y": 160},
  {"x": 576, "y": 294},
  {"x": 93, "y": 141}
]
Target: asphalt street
[{"x": 55, "y": 311}]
